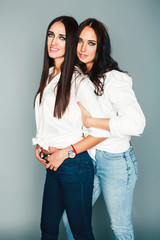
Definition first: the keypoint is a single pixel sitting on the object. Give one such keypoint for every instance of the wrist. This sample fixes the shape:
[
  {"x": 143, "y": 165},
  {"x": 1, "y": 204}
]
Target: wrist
[
  {"x": 71, "y": 151},
  {"x": 74, "y": 149},
  {"x": 65, "y": 152},
  {"x": 91, "y": 122}
]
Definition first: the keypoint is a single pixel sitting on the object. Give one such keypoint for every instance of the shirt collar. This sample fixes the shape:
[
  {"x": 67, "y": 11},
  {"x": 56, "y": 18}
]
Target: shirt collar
[{"x": 51, "y": 70}]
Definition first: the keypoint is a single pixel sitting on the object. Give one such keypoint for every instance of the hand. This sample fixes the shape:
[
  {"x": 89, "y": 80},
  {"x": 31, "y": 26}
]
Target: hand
[
  {"x": 86, "y": 117},
  {"x": 57, "y": 158},
  {"x": 38, "y": 149}
]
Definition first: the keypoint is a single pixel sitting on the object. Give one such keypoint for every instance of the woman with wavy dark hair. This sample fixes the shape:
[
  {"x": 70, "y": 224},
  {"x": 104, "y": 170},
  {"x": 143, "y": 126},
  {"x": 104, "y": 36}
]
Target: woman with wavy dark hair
[
  {"x": 116, "y": 164},
  {"x": 69, "y": 183}
]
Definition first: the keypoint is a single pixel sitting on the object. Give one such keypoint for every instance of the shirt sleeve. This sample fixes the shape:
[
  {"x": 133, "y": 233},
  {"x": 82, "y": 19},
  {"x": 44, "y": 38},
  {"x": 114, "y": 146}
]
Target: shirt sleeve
[
  {"x": 86, "y": 96},
  {"x": 129, "y": 119},
  {"x": 37, "y": 118}
]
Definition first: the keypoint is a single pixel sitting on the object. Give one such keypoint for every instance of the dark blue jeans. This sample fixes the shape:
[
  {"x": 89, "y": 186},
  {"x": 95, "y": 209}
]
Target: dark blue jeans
[{"x": 69, "y": 188}]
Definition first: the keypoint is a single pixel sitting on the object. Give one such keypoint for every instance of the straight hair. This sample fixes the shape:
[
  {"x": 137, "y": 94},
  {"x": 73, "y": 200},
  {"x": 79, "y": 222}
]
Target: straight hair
[{"x": 63, "y": 87}]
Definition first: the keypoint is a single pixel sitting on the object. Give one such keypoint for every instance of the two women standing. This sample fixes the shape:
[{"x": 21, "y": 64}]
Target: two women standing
[{"x": 106, "y": 93}]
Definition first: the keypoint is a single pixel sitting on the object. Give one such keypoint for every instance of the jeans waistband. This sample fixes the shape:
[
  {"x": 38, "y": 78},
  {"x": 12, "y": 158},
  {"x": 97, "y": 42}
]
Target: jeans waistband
[{"x": 79, "y": 155}]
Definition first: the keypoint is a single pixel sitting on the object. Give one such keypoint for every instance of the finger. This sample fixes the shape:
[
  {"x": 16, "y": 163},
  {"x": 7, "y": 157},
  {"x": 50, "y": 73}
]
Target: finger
[
  {"x": 51, "y": 167},
  {"x": 43, "y": 163},
  {"x": 39, "y": 158},
  {"x": 55, "y": 169},
  {"x": 81, "y": 107},
  {"x": 48, "y": 165}
]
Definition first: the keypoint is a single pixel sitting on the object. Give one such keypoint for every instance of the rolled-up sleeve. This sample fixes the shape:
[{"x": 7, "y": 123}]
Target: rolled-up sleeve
[
  {"x": 129, "y": 119},
  {"x": 87, "y": 97}
]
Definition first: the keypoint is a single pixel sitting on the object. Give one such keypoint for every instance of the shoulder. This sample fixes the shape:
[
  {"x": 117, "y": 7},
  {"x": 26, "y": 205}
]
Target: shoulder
[
  {"x": 37, "y": 100},
  {"x": 115, "y": 77},
  {"x": 81, "y": 79}
]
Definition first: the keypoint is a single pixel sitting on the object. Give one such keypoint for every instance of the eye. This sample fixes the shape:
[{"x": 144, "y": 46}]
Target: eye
[
  {"x": 51, "y": 35},
  {"x": 91, "y": 43},
  {"x": 80, "y": 40},
  {"x": 62, "y": 38}
]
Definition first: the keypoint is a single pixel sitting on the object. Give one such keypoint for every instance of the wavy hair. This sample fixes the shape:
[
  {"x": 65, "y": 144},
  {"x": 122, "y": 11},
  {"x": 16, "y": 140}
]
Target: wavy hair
[{"x": 103, "y": 62}]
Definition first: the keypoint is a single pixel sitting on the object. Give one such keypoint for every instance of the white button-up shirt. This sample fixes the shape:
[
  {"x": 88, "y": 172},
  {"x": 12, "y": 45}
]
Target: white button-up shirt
[
  {"x": 119, "y": 103},
  {"x": 60, "y": 133}
]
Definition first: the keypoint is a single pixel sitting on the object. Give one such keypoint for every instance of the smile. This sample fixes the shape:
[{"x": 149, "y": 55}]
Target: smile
[{"x": 53, "y": 50}]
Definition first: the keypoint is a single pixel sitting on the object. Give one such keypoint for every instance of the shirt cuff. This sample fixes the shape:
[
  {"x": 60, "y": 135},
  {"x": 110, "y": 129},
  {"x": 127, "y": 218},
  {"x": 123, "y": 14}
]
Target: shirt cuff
[{"x": 99, "y": 133}]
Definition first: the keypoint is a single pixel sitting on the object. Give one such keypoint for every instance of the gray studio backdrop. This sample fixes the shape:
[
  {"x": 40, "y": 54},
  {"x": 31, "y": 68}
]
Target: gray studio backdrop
[{"x": 134, "y": 30}]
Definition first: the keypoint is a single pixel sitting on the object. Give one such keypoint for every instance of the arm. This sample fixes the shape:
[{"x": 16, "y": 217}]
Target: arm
[
  {"x": 88, "y": 121},
  {"x": 85, "y": 94},
  {"x": 39, "y": 155},
  {"x": 87, "y": 98},
  {"x": 129, "y": 119},
  {"x": 57, "y": 158}
]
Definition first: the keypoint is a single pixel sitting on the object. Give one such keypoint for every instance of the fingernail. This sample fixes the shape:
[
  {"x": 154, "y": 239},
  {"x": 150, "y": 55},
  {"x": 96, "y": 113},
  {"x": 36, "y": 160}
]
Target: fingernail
[{"x": 78, "y": 102}]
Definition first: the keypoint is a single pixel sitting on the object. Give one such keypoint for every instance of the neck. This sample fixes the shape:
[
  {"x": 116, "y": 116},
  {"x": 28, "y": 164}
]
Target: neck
[
  {"x": 89, "y": 67},
  {"x": 57, "y": 65}
]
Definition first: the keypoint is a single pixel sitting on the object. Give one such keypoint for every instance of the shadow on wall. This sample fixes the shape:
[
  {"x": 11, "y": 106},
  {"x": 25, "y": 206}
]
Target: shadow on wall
[
  {"x": 100, "y": 221},
  {"x": 101, "y": 228}
]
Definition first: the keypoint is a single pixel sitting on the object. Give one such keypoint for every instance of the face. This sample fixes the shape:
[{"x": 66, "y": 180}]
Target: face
[
  {"x": 87, "y": 46},
  {"x": 56, "y": 41}
]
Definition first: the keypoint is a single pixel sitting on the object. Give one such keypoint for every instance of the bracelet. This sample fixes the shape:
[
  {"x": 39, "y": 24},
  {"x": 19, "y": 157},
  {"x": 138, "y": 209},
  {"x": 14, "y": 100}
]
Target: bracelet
[{"x": 74, "y": 149}]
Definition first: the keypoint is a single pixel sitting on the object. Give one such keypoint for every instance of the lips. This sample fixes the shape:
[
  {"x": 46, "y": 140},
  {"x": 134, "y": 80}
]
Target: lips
[
  {"x": 83, "y": 56},
  {"x": 53, "y": 50}
]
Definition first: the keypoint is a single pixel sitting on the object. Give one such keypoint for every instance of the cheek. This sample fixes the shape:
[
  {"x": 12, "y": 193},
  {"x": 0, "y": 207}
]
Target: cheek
[
  {"x": 63, "y": 46},
  {"x": 48, "y": 43},
  {"x": 78, "y": 48},
  {"x": 93, "y": 54}
]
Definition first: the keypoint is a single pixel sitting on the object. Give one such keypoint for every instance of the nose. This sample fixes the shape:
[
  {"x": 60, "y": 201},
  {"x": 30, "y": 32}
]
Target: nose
[
  {"x": 83, "y": 47},
  {"x": 54, "y": 41}
]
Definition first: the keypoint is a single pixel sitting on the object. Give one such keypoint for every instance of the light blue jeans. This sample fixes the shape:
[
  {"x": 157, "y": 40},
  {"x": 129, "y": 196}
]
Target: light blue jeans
[{"x": 115, "y": 176}]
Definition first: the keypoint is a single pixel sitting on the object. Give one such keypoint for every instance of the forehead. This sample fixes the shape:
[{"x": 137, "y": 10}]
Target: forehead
[
  {"x": 88, "y": 33},
  {"x": 58, "y": 27}
]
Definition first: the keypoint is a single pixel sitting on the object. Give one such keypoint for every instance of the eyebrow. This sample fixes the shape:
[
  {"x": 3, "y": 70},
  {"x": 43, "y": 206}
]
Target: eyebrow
[
  {"x": 62, "y": 34},
  {"x": 89, "y": 40},
  {"x": 59, "y": 34},
  {"x": 92, "y": 41}
]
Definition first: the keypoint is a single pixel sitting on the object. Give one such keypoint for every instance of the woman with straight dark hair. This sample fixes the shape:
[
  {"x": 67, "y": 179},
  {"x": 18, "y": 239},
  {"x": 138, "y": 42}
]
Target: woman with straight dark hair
[
  {"x": 69, "y": 183},
  {"x": 116, "y": 164}
]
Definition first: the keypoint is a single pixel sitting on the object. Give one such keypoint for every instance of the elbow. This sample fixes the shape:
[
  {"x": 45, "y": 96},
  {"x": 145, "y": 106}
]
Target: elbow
[
  {"x": 98, "y": 133},
  {"x": 138, "y": 126},
  {"x": 141, "y": 125},
  {"x": 127, "y": 126}
]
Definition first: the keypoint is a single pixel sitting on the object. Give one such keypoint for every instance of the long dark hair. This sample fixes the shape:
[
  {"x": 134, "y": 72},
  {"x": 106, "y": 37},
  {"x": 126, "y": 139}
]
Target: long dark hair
[
  {"x": 64, "y": 83},
  {"x": 103, "y": 62}
]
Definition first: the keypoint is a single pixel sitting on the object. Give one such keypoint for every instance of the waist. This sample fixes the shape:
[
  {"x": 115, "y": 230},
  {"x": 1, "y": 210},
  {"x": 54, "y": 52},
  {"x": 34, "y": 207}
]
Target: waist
[
  {"x": 50, "y": 150},
  {"x": 55, "y": 141},
  {"x": 114, "y": 144}
]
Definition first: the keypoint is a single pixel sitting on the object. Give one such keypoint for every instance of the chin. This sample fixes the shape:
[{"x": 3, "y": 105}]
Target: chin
[{"x": 83, "y": 61}]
